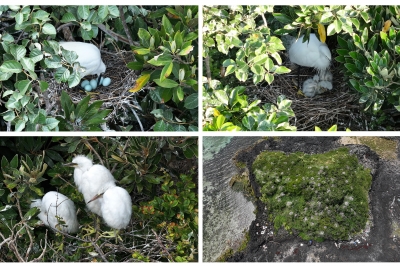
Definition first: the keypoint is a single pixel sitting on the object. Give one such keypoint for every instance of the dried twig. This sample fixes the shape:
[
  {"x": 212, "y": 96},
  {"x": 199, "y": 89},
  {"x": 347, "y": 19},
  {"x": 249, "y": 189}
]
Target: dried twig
[{"x": 162, "y": 245}]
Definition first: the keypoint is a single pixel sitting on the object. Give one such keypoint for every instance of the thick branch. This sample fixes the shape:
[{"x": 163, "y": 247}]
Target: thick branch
[
  {"x": 123, "y": 20},
  {"x": 116, "y": 36}
]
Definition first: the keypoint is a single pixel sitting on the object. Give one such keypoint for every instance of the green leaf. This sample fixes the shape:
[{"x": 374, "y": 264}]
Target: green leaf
[
  {"x": 27, "y": 64},
  {"x": 102, "y": 11},
  {"x": 167, "y": 25},
  {"x": 83, "y": 12},
  {"x": 18, "y": 51},
  {"x": 261, "y": 59},
  {"x": 191, "y": 102},
  {"x": 167, "y": 83},
  {"x": 220, "y": 121},
  {"x": 135, "y": 65},
  {"x": 178, "y": 40},
  {"x": 20, "y": 125},
  {"x": 23, "y": 86},
  {"x": 144, "y": 37},
  {"x": 161, "y": 60},
  {"x": 160, "y": 126},
  {"x": 11, "y": 66},
  {"x": 74, "y": 79},
  {"x": 43, "y": 85},
  {"x": 178, "y": 94},
  {"x": 113, "y": 11},
  {"x": 49, "y": 29},
  {"x": 68, "y": 17},
  {"x": 166, "y": 71},
  {"x": 269, "y": 78}
]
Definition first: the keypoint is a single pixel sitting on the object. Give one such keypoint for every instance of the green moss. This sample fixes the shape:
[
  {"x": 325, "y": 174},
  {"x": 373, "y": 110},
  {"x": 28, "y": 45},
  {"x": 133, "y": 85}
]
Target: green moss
[
  {"x": 229, "y": 252},
  {"x": 240, "y": 165},
  {"x": 242, "y": 183},
  {"x": 321, "y": 196}
]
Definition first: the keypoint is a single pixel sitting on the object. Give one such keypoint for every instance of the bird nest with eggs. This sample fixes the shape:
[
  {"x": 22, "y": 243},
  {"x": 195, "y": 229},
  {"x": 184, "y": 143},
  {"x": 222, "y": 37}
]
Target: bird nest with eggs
[
  {"x": 116, "y": 96},
  {"x": 333, "y": 107}
]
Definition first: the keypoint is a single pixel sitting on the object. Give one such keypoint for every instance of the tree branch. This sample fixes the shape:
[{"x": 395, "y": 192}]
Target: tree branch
[{"x": 123, "y": 20}]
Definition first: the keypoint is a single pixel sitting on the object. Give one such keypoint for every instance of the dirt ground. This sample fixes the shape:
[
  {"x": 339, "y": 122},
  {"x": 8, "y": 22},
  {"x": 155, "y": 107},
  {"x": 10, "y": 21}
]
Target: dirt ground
[{"x": 379, "y": 241}]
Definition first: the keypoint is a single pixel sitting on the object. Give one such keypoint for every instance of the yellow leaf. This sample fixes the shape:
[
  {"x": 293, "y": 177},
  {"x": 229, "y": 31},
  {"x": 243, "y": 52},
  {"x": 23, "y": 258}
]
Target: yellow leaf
[
  {"x": 216, "y": 112},
  {"x": 300, "y": 92},
  {"x": 140, "y": 82},
  {"x": 321, "y": 32},
  {"x": 387, "y": 25},
  {"x": 318, "y": 129}
]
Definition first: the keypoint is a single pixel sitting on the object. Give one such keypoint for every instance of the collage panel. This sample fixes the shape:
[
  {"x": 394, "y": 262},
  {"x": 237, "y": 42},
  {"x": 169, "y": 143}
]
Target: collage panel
[
  {"x": 99, "y": 199},
  {"x": 99, "y": 68},
  {"x": 301, "y": 199},
  {"x": 301, "y": 68}
]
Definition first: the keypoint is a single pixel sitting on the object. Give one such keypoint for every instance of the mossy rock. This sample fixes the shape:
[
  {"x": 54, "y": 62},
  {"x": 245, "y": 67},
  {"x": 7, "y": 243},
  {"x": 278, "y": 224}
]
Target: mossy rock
[{"x": 320, "y": 196}]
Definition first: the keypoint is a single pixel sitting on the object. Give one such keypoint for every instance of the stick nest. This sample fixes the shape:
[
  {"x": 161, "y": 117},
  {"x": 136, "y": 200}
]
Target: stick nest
[
  {"x": 116, "y": 96},
  {"x": 337, "y": 106}
]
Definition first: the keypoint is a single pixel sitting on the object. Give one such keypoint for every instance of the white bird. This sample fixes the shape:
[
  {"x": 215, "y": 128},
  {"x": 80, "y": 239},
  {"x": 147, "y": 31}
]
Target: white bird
[
  {"x": 89, "y": 57},
  {"x": 90, "y": 180},
  {"x": 314, "y": 86},
  {"x": 102, "y": 196},
  {"x": 54, "y": 205},
  {"x": 116, "y": 206},
  {"x": 313, "y": 53}
]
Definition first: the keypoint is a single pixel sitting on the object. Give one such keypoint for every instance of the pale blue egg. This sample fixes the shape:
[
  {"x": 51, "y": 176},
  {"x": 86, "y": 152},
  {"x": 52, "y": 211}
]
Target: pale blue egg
[
  {"x": 84, "y": 83},
  {"x": 88, "y": 87},
  {"x": 106, "y": 82},
  {"x": 101, "y": 81},
  {"x": 93, "y": 83}
]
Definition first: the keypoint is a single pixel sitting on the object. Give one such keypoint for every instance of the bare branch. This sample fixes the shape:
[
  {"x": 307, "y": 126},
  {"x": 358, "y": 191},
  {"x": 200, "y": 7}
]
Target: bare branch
[
  {"x": 123, "y": 20},
  {"x": 116, "y": 36}
]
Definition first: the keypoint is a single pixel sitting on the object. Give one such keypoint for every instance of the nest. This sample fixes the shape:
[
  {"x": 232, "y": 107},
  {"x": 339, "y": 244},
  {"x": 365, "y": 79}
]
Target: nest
[
  {"x": 325, "y": 110},
  {"x": 116, "y": 96}
]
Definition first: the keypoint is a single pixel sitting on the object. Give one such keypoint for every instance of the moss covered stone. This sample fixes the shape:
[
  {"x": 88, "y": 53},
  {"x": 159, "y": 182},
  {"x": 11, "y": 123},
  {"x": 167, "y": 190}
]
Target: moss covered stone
[{"x": 321, "y": 196}]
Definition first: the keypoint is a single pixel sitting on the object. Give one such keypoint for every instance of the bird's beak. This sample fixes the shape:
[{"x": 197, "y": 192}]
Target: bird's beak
[
  {"x": 70, "y": 164},
  {"x": 95, "y": 198}
]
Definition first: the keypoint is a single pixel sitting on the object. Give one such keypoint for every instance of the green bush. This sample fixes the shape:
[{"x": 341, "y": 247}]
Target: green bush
[
  {"x": 321, "y": 196},
  {"x": 228, "y": 110},
  {"x": 170, "y": 233},
  {"x": 168, "y": 55},
  {"x": 29, "y": 46}
]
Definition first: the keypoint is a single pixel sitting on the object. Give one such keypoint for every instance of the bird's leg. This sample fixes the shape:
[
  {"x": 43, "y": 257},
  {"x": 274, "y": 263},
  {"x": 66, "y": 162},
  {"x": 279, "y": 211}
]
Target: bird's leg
[
  {"x": 298, "y": 78},
  {"x": 98, "y": 79}
]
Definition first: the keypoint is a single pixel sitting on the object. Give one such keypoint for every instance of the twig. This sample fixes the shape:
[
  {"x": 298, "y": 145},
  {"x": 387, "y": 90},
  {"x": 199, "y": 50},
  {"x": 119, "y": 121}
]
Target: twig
[
  {"x": 92, "y": 149},
  {"x": 116, "y": 36},
  {"x": 208, "y": 71},
  {"x": 137, "y": 118},
  {"x": 123, "y": 20},
  {"x": 162, "y": 245},
  {"x": 44, "y": 250},
  {"x": 99, "y": 251},
  {"x": 65, "y": 25}
]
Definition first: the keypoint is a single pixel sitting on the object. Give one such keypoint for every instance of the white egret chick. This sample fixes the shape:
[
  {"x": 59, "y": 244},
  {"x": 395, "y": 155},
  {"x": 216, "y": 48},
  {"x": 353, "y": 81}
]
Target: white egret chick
[
  {"x": 310, "y": 86},
  {"x": 90, "y": 180},
  {"x": 326, "y": 75},
  {"x": 89, "y": 57},
  {"x": 56, "y": 204},
  {"x": 116, "y": 206}
]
